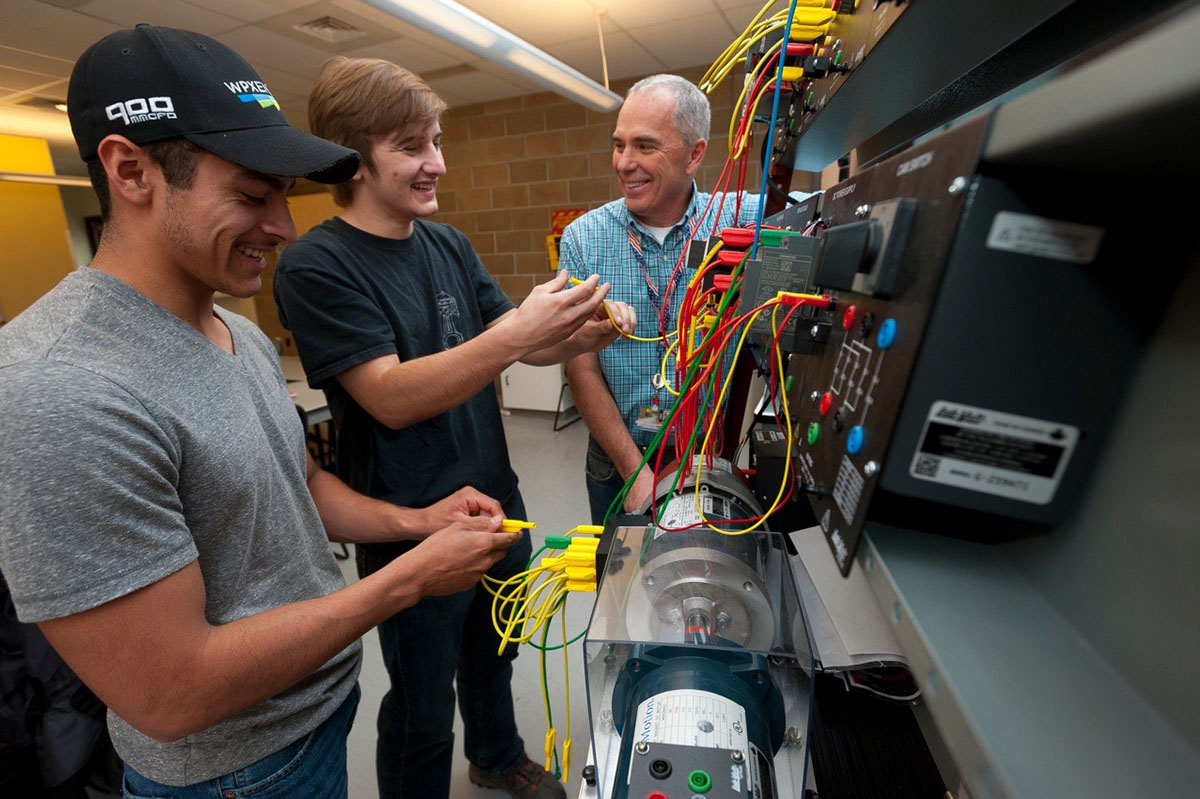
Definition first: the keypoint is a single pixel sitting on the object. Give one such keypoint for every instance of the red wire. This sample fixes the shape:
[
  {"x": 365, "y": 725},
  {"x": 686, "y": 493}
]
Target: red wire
[{"x": 779, "y": 419}]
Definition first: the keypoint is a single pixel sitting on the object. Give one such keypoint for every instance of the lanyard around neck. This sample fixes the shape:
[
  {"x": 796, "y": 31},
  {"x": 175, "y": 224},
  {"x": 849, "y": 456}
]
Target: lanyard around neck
[{"x": 652, "y": 292}]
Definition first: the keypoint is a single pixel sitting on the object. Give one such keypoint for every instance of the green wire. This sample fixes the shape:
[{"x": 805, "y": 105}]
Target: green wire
[
  {"x": 726, "y": 298},
  {"x": 554, "y": 647},
  {"x": 546, "y": 692}
]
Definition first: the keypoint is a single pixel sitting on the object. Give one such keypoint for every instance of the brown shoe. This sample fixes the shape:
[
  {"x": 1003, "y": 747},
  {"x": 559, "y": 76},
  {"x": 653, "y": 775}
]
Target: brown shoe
[{"x": 527, "y": 781}]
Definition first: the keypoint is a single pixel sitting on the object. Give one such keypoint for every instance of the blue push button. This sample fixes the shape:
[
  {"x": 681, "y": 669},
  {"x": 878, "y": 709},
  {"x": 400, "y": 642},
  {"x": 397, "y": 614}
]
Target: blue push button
[
  {"x": 886, "y": 334},
  {"x": 854, "y": 439}
]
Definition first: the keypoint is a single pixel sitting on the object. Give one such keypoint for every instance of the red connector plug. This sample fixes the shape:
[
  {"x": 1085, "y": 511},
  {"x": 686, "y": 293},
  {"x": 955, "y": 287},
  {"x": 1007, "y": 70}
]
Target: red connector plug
[{"x": 738, "y": 237}]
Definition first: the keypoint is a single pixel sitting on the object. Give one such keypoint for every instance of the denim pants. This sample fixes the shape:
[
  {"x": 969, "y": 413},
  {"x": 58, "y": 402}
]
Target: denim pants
[
  {"x": 314, "y": 767},
  {"x": 424, "y": 648},
  {"x": 604, "y": 482}
]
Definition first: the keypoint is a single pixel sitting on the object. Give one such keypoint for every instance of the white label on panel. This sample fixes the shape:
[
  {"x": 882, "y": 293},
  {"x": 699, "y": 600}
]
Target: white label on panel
[
  {"x": 1045, "y": 238},
  {"x": 978, "y": 449}
]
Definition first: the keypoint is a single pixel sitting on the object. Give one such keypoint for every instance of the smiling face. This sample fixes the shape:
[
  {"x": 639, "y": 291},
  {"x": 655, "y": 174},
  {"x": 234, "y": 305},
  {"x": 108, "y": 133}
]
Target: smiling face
[
  {"x": 219, "y": 230},
  {"x": 654, "y": 165},
  {"x": 401, "y": 183}
]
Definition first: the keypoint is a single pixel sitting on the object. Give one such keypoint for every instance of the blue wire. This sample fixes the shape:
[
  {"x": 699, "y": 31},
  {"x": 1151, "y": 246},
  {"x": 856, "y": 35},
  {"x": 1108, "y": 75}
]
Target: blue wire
[{"x": 766, "y": 171}]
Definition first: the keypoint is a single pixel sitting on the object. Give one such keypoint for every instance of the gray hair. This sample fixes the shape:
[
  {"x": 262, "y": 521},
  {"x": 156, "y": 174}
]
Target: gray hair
[{"x": 692, "y": 112}]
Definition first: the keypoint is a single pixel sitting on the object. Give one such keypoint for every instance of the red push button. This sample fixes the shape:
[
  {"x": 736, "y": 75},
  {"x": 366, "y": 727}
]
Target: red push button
[
  {"x": 848, "y": 317},
  {"x": 656, "y": 795},
  {"x": 826, "y": 403}
]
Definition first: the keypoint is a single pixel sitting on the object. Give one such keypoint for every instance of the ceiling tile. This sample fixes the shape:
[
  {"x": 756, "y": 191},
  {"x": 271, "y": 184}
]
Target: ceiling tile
[
  {"x": 707, "y": 36},
  {"x": 19, "y": 80},
  {"x": 406, "y": 30},
  {"x": 504, "y": 74},
  {"x": 625, "y": 57},
  {"x": 66, "y": 42},
  {"x": 281, "y": 82},
  {"x": 264, "y": 48},
  {"x": 250, "y": 10},
  {"x": 629, "y": 15},
  {"x": 128, "y": 13},
  {"x": 408, "y": 53},
  {"x": 41, "y": 16},
  {"x": 35, "y": 62},
  {"x": 368, "y": 32},
  {"x": 475, "y": 87},
  {"x": 739, "y": 13},
  {"x": 541, "y": 22}
]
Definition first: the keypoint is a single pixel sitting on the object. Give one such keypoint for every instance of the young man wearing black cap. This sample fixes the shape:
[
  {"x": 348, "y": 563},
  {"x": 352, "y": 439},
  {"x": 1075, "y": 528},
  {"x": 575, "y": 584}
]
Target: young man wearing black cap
[{"x": 159, "y": 517}]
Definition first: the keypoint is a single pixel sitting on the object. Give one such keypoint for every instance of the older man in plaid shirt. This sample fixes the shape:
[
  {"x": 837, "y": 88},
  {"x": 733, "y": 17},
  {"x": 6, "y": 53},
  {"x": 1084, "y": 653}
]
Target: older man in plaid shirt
[{"x": 634, "y": 243}]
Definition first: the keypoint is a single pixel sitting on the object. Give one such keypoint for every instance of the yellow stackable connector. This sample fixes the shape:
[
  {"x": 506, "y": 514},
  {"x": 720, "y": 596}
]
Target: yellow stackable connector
[
  {"x": 551, "y": 737},
  {"x": 579, "y": 564},
  {"x": 525, "y": 603},
  {"x": 516, "y": 525}
]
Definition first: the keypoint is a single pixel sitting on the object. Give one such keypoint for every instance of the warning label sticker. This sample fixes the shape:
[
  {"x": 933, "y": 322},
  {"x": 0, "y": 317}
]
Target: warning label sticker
[
  {"x": 1045, "y": 238},
  {"x": 992, "y": 452},
  {"x": 681, "y": 511}
]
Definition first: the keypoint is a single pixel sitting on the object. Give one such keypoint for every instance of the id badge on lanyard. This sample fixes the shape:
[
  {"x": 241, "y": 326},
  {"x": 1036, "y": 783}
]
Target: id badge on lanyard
[{"x": 650, "y": 419}]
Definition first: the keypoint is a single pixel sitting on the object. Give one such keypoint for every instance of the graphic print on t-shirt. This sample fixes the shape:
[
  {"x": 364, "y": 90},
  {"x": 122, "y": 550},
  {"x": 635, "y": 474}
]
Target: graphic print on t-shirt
[{"x": 448, "y": 310}]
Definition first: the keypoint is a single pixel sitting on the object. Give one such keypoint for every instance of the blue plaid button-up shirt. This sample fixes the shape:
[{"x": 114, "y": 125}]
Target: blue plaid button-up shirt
[{"x": 598, "y": 243}]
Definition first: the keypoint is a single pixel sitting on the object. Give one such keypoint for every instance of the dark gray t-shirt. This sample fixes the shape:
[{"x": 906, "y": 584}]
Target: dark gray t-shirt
[{"x": 130, "y": 446}]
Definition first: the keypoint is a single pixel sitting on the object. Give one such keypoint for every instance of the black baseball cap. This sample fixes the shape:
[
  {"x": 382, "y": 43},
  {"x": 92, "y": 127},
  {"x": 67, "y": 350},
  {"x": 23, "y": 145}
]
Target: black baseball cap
[{"x": 152, "y": 83}]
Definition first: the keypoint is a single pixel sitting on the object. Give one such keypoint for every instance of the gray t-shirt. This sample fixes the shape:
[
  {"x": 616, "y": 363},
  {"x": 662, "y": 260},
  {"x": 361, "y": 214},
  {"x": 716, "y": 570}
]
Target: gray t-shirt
[{"x": 130, "y": 446}]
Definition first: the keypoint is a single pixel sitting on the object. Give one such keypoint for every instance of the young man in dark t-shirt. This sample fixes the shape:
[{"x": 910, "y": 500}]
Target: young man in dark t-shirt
[{"x": 399, "y": 322}]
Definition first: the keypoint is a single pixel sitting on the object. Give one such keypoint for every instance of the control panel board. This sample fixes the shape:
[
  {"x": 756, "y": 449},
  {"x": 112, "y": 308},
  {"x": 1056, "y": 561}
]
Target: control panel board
[
  {"x": 975, "y": 348},
  {"x": 888, "y": 233}
]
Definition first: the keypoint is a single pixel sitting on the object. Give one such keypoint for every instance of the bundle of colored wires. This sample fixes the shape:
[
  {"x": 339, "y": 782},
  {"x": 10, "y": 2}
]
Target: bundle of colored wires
[
  {"x": 526, "y": 603},
  {"x": 810, "y": 23},
  {"x": 703, "y": 341}
]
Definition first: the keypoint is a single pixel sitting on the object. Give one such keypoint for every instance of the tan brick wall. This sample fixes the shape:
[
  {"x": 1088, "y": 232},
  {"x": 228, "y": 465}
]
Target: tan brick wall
[{"x": 511, "y": 162}]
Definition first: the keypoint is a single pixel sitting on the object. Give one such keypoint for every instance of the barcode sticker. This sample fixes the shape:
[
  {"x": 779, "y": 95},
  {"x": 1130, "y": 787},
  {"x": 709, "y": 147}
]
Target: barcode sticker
[{"x": 978, "y": 449}]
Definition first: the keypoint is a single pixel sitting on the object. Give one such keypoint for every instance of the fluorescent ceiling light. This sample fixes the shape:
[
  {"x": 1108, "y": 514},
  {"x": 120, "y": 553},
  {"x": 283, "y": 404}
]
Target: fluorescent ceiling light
[
  {"x": 563, "y": 79},
  {"x": 468, "y": 30},
  {"x": 53, "y": 180}
]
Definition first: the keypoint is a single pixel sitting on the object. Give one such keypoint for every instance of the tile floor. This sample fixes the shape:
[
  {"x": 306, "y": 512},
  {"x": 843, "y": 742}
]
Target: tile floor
[{"x": 550, "y": 467}]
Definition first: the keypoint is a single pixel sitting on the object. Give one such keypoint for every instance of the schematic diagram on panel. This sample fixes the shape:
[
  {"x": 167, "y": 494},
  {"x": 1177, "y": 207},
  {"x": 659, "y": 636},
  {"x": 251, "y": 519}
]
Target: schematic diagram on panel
[{"x": 855, "y": 376}]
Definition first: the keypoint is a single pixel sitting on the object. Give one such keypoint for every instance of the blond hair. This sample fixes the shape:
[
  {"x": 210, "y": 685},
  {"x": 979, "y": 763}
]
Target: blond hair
[{"x": 356, "y": 100}]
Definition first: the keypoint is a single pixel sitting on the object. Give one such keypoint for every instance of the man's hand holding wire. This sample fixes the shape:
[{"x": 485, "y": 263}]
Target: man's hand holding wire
[
  {"x": 611, "y": 319},
  {"x": 463, "y": 505},
  {"x": 454, "y": 558},
  {"x": 552, "y": 313}
]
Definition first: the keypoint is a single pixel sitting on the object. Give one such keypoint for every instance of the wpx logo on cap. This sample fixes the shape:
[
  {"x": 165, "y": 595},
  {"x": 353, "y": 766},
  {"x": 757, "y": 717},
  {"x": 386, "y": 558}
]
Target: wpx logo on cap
[{"x": 253, "y": 91}]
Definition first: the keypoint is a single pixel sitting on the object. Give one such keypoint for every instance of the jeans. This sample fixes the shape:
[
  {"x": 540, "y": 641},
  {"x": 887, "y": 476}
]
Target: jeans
[
  {"x": 314, "y": 767},
  {"x": 604, "y": 482},
  {"x": 424, "y": 648}
]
